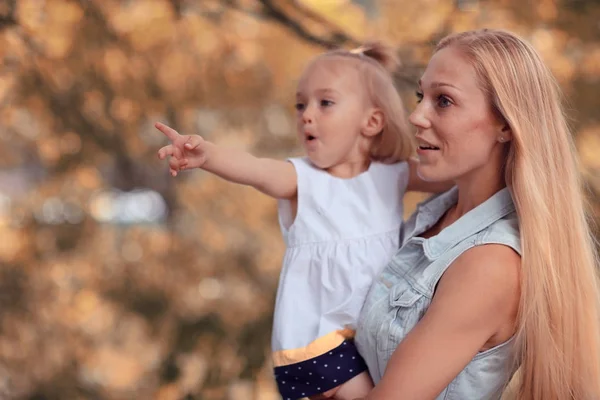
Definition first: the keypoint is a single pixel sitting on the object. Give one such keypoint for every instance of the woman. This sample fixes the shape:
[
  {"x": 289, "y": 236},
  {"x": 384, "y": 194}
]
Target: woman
[{"x": 499, "y": 273}]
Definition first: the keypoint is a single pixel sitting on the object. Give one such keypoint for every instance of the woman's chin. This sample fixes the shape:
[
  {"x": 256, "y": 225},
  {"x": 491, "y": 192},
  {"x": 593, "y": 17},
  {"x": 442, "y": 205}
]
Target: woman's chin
[{"x": 429, "y": 174}]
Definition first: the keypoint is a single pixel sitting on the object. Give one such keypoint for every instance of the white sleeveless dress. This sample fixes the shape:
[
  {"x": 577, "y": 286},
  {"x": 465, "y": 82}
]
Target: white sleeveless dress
[{"x": 344, "y": 233}]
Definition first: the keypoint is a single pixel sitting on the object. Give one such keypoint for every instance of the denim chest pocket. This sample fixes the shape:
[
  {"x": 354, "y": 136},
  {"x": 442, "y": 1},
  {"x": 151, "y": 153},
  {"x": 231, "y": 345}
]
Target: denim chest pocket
[
  {"x": 403, "y": 295},
  {"x": 406, "y": 307}
]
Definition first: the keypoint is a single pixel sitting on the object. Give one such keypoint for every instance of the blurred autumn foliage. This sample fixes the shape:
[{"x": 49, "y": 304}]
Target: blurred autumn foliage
[{"x": 120, "y": 282}]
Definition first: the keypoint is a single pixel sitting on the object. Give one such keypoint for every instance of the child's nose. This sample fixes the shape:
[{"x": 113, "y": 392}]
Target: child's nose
[{"x": 308, "y": 115}]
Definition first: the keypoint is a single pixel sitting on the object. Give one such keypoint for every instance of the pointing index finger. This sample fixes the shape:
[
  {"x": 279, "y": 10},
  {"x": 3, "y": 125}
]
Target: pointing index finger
[{"x": 169, "y": 132}]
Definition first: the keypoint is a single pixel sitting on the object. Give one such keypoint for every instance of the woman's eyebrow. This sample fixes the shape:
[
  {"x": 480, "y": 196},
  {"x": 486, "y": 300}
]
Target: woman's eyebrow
[{"x": 434, "y": 85}]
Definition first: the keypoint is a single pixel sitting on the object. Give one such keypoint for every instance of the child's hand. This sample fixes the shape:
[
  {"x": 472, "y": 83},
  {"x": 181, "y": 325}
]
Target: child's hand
[{"x": 186, "y": 151}]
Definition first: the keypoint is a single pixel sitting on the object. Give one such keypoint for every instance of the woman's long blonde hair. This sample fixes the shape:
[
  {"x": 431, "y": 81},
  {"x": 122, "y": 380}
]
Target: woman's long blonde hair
[{"x": 558, "y": 337}]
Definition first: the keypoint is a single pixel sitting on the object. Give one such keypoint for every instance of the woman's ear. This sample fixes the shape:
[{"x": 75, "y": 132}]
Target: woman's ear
[
  {"x": 505, "y": 134},
  {"x": 374, "y": 123}
]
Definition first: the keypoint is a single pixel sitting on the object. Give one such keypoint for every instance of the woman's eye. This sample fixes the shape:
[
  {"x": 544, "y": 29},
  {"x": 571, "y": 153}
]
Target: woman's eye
[
  {"x": 444, "y": 102},
  {"x": 419, "y": 96},
  {"x": 299, "y": 106}
]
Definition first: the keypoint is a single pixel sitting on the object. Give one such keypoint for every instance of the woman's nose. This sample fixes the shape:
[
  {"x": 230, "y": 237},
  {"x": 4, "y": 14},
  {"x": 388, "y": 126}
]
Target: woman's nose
[{"x": 419, "y": 118}]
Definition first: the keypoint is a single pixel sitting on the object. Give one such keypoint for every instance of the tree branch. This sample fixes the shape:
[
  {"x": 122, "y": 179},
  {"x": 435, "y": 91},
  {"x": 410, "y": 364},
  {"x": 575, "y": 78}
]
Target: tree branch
[
  {"x": 8, "y": 20},
  {"x": 289, "y": 14}
]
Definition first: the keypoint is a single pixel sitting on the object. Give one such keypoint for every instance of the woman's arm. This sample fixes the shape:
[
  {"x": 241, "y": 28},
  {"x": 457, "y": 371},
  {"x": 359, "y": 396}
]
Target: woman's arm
[
  {"x": 416, "y": 184},
  {"x": 273, "y": 177},
  {"x": 475, "y": 303}
]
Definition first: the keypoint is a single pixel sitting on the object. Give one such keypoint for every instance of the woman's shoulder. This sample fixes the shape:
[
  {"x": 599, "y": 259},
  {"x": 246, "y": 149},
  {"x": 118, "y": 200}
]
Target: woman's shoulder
[
  {"x": 486, "y": 282},
  {"x": 504, "y": 231}
]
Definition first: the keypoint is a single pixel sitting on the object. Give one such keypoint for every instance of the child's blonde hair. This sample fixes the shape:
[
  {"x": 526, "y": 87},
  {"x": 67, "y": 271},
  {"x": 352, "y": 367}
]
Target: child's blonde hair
[
  {"x": 558, "y": 338},
  {"x": 376, "y": 63}
]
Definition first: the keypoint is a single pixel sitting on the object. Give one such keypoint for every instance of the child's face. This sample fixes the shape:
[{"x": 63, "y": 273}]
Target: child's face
[{"x": 332, "y": 110}]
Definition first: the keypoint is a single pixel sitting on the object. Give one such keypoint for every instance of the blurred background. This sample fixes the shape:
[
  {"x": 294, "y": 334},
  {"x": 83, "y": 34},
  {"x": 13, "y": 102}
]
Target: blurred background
[{"x": 118, "y": 281}]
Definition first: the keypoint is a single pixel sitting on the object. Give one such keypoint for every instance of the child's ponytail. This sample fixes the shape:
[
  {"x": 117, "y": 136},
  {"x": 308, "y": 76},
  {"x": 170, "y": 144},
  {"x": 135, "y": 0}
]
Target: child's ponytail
[{"x": 385, "y": 55}]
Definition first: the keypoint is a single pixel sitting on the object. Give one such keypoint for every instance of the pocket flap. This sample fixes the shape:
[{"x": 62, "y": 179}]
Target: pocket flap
[{"x": 403, "y": 296}]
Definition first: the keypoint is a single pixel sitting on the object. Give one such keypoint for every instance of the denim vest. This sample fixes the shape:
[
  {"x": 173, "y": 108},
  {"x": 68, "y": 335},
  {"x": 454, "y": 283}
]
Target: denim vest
[{"x": 403, "y": 291}]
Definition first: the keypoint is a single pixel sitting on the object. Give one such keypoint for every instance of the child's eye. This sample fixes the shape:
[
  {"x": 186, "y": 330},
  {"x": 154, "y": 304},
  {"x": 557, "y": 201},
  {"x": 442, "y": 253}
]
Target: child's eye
[
  {"x": 326, "y": 103},
  {"x": 444, "y": 101},
  {"x": 419, "y": 96},
  {"x": 299, "y": 106}
]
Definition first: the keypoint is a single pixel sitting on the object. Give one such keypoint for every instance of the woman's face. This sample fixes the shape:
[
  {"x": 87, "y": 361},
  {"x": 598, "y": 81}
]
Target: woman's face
[{"x": 457, "y": 132}]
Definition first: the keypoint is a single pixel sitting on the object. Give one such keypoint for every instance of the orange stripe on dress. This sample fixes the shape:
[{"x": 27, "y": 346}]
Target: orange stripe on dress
[{"x": 317, "y": 347}]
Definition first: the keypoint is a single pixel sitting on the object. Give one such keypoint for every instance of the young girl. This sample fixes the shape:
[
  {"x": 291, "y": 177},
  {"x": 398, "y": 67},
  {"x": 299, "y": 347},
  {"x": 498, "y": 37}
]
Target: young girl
[{"x": 340, "y": 212}]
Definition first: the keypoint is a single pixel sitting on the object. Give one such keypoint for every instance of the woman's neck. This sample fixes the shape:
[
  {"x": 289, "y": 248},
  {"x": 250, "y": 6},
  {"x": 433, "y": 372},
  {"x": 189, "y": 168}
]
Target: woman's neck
[{"x": 474, "y": 189}]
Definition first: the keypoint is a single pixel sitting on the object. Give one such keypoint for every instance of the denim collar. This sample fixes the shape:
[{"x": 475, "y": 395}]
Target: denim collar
[{"x": 476, "y": 220}]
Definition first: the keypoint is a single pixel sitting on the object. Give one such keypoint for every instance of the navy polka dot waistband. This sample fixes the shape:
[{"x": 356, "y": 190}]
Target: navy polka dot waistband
[{"x": 320, "y": 374}]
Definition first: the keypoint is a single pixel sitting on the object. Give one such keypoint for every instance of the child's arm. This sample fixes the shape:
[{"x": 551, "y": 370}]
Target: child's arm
[
  {"x": 273, "y": 177},
  {"x": 416, "y": 184}
]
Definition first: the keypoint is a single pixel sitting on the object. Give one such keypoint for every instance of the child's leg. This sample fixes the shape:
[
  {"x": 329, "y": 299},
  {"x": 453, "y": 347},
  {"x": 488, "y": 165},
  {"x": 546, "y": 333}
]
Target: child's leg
[{"x": 357, "y": 387}]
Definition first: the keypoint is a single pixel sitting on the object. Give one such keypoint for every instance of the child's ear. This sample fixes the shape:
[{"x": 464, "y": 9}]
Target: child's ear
[{"x": 374, "y": 123}]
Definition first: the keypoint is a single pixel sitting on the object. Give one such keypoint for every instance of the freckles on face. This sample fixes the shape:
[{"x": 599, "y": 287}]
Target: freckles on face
[{"x": 456, "y": 128}]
